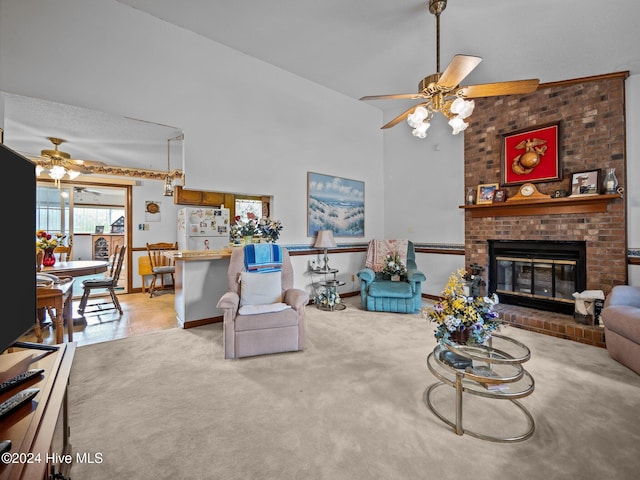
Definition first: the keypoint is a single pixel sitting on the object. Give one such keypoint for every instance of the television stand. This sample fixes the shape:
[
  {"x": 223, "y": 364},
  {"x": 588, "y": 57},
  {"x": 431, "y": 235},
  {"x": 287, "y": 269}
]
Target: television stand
[{"x": 41, "y": 429}]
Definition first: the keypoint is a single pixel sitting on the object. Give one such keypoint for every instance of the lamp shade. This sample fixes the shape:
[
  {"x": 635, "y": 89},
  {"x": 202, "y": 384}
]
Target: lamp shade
[{"x": 325, "y": 239}]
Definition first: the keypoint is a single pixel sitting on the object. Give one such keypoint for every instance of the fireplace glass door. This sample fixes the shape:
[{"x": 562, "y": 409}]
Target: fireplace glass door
[{"x": 536, "y": 278}]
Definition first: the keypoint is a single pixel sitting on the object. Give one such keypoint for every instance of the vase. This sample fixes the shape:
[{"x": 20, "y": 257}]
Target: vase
[
  {"x": 471, "y": 196},
  {"x": 395, "y": 278},
  {"x": 248, "y": 239},
  {"x": 461, "y": 337},
  {"x": 49, "y": 259},
  {"x": 610, "y": 182}
]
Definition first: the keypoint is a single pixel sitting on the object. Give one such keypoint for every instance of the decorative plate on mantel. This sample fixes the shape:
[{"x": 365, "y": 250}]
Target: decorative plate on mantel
[{"x": 527, "y": 191}]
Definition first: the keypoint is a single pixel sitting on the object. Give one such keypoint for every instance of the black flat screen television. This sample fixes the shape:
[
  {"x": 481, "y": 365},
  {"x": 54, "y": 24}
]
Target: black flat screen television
[{"x": 19, "y": 225}]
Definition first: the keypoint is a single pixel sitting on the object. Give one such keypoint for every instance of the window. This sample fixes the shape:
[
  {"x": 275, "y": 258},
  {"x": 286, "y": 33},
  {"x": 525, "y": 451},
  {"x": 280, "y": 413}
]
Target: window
[
  {"x": 57, "y": 212},
  {"x": 86, "y": 218},
  {"x": 52, "y": 209},
  {"x": 246, "y": 205}
]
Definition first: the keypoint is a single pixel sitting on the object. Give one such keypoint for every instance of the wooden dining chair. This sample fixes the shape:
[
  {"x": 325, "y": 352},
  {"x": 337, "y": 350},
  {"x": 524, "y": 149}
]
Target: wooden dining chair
[
  {"x": 109, "y": 283},
  {"x": 160, "y": 264},
  {"x": 63, "y": 253}
]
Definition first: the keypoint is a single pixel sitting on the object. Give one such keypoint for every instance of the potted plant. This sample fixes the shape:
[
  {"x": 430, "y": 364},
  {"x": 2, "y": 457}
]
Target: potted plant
[
  {"x": 461, "y": 318},
  {"x": 270, "y": 229},
  {"x": 394, "y": 267},
  {"x": 47, "y": 243},
  {"x": 245, "y": 229}
]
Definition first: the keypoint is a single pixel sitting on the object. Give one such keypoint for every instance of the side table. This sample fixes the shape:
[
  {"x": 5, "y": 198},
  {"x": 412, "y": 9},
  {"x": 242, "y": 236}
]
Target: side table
[
  {"x": 328, "y": 288},
  {"x": 496, "y": 373},
  {"x": 330, "y": 291}
]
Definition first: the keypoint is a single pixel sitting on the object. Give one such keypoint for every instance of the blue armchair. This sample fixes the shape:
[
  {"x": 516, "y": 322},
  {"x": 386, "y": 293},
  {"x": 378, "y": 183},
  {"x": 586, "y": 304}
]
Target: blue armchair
[{"x": 381, "y": 295}]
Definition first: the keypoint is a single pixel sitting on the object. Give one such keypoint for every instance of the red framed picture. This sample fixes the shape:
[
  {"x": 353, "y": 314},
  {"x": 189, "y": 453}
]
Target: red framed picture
[{"x": 531, "y": 156}]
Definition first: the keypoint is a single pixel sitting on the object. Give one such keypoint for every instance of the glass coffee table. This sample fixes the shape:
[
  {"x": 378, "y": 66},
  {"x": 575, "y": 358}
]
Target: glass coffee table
[{"x": 492, "y": 371}]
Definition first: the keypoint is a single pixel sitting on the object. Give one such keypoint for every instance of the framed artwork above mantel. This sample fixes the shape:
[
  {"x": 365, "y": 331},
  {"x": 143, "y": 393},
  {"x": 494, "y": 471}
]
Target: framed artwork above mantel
[{"x": 531, "y": 155}]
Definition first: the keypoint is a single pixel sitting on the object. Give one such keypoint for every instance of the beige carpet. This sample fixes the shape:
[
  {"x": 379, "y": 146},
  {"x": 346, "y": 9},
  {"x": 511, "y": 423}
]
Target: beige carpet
[{"x": 167, "y": 405}]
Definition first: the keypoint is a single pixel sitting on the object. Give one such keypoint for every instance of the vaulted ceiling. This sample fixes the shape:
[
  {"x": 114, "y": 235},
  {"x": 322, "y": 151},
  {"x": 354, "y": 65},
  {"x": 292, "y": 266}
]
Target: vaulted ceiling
[
  {"x": 372, "y": 47},
  {"x": 367, "y": 47}
]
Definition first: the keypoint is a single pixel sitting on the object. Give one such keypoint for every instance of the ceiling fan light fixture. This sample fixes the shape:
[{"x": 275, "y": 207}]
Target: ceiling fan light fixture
[
  {"x": 441, "y": 91},
  {"x": 463, "y": 108},
  {"x": 458, "y": 124},
  {"x": 57, "y": 172},
  {"x": 73, "y": 174},
  {"x": 417, "y": 117},
  {"x": 420, "y": 130}
]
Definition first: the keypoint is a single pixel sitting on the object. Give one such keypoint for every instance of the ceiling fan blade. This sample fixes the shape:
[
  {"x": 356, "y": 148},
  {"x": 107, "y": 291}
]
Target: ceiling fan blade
[
  {"x": 513, "y": 87},
  {"x": 394, "y": 96},
  {"x": 402, "y": 116},
  {"x": 88, "y": 163},
  {"x": 457, "y": 70}
]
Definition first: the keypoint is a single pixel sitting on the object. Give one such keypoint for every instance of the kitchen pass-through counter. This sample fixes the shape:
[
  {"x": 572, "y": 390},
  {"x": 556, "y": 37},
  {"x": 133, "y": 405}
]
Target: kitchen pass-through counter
[{"x": 201, "y": 279}]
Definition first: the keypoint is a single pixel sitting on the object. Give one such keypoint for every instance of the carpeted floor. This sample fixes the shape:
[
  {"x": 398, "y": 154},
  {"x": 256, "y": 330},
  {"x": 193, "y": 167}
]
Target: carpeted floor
[{"x": 167, "y": 405}]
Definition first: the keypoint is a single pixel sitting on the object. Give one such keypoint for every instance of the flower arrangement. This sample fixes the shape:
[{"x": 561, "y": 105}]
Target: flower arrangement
[
  {"x": 247, "y": 228},
  {"x": 456, "y": 312},
  {"x": 265, "y": 227},
  {"x": 393, "y": 265},
  {"x": 327, "y": 297},
  {"x": 46, "y": 240},
  {"x": 270, "y": 229}
]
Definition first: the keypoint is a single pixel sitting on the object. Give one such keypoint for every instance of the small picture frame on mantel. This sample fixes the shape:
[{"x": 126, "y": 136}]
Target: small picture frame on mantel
[
  {"x": 585, "y": 183},
  {"x": 500, "y": 195},
  {"x": 486, "y": 192}
]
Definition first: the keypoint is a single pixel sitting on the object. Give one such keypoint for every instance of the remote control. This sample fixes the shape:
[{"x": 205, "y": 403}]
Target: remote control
[
  {"x": 36, "y": 346},
  {"x": 17, "y": 400},
  {"x": 5, "y": 446},
  {"x": 19, "y": 379}
]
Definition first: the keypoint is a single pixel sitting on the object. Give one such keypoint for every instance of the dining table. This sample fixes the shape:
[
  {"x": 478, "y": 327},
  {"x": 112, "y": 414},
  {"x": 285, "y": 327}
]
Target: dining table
[
  {"x": 72, "y": 268},
  {"x": 56, "y": 297},
  {"x": 76, "y": 268}
]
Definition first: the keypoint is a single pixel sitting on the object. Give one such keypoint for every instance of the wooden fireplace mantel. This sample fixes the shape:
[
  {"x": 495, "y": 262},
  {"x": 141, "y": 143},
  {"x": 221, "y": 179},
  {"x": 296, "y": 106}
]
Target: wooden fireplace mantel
[{"x": 543, "y": 206}]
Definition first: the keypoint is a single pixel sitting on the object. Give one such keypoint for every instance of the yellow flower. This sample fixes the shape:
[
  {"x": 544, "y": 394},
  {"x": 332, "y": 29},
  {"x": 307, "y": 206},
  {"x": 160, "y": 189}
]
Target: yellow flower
[{"x": 456, "y": 311}]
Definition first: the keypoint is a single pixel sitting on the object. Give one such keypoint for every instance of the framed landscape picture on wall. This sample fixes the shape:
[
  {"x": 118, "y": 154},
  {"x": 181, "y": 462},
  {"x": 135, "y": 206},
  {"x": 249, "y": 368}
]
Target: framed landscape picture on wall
[
  {"x": 531, "y": 155},
  {"x": 335, "y": 203}
]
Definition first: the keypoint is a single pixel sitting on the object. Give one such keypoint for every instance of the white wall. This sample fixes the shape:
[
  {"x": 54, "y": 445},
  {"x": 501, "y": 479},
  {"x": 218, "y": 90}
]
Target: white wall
[{"x": 249, "y": 127}]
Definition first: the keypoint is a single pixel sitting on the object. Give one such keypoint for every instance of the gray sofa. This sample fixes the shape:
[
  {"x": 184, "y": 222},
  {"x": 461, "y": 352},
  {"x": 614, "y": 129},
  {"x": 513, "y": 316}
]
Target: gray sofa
[{"x": 621, "y": 319}]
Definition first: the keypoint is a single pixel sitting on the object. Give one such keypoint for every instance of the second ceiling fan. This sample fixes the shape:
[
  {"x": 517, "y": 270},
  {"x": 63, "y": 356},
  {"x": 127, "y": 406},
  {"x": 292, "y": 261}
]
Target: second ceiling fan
[{"x": 442, "y": 92}]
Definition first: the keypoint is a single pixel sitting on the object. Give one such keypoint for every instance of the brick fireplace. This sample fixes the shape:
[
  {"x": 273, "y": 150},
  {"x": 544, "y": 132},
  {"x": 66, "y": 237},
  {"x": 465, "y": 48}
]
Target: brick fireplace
[{"x": 591, "y": 113}]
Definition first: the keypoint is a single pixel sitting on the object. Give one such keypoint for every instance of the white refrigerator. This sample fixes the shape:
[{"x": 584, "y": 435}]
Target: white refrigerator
[{"x": 203, "y": 228}]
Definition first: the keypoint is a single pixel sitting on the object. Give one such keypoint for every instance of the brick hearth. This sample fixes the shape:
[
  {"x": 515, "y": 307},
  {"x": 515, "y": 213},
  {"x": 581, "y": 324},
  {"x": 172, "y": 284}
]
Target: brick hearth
[{"x": 550, "y": 323}]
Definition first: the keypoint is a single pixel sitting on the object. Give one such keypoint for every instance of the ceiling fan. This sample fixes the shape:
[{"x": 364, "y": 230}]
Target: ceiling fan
[
  {"x": 60, "y": 163},
  {"x": 81, "y": 189},
  {"x": 442, "y": 93}
]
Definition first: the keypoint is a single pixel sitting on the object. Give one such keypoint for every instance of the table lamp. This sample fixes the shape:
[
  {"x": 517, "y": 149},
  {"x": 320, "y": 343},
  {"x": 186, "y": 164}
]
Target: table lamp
[{"x": 325, "y": 240}]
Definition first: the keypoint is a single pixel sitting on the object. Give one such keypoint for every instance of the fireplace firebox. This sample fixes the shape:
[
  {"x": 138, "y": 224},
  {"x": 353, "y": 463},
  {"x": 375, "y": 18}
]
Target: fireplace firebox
[{"x": 537, "y": 274}]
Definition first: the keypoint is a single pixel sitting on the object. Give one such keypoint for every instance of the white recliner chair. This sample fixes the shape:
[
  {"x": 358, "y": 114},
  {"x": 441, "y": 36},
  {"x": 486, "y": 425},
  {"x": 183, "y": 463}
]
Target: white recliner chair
[{"x": 263, "y": 313}]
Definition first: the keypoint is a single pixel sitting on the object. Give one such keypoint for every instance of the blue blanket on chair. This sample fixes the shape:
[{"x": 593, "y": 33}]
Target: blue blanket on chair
[{"x": 262, "y": 257}]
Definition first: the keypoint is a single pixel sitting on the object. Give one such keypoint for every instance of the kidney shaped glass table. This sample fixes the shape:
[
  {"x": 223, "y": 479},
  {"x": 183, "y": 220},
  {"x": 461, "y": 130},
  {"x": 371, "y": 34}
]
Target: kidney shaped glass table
[{"x": 492, "y": 371}]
